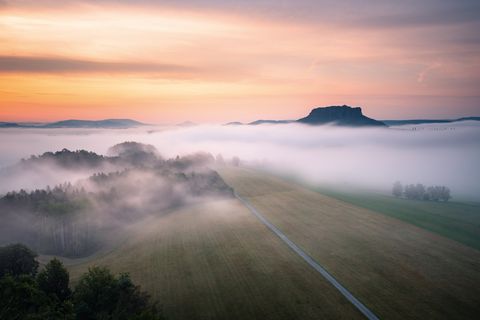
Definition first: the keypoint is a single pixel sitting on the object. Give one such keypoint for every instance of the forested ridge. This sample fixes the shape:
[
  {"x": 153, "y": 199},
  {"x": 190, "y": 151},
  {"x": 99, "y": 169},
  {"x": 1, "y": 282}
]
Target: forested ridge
[{"x": 74, "y": 219}]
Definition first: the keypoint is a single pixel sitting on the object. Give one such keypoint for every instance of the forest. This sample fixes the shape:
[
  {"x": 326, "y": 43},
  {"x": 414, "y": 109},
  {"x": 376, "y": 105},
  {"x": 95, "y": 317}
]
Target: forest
[{"x": 76, "y": 218}]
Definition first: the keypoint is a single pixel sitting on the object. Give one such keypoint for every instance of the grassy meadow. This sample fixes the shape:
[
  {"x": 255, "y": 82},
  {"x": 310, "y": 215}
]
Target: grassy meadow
[
  {"x": 458, "y": 221},
  {"x": 216, "y": 261},
  {"x": 400, "y": 271}
]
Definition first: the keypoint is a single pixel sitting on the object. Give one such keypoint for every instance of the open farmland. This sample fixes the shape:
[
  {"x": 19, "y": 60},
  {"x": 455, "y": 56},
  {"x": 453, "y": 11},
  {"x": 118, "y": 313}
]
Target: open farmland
[
  {"x": 217, "y": 261},
  {"x": 398, "y": 270},
  {"x": 459, "y": 221}
]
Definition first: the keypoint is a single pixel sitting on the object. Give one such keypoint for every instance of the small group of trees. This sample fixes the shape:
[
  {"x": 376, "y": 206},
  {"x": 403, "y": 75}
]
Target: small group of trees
[
  {"x": 220, "y": 161},
  {"x": 54, "y": 222},
  {"x": 68, "y": 159},
  {"x": 28, "y": 294},
  {"x": 420, "y": 192},
  {"x": 62, "y": 199}
]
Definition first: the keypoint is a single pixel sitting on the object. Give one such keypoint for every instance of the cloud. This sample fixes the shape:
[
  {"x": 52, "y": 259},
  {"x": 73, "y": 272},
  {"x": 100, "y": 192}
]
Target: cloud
[
  {"x": 421, "y": 15},
  {"x": 389, "y": 14},
  {"x": 22, "y": 64},
  {"x": 422, "y": 74}
]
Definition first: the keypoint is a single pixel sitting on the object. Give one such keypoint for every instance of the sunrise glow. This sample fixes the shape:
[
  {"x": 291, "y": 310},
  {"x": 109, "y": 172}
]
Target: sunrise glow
[{"x": 207, "y": 63}]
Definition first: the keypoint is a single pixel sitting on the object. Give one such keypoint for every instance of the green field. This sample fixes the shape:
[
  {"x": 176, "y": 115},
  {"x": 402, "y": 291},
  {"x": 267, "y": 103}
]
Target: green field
[
  {"x": 458, "y": 221},
  {"x": 398, "y": 270},
  {"x": 217, "y": 261}
]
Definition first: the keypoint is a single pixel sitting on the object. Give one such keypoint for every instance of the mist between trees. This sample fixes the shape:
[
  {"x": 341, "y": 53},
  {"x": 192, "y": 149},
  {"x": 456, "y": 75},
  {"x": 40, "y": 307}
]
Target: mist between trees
[
  {"x": 363, "y": 158},
  {"x": 76, "y": 219}
]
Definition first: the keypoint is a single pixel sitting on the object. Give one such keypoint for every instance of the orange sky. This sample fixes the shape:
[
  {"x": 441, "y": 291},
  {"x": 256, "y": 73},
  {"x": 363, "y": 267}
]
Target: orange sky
[{"x": 216, "y": 63}]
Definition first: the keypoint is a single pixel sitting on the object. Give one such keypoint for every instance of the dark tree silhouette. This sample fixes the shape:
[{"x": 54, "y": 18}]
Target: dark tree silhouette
[
  {"x": 419, "y": 192},
  {"x": 17, "y": 259},
  {"x": 101, "y": 295},
  {"x": 20, "y": 298},
  {"x": 98, "y": 295},
  {"x": 54, "y": 280},
  {"x": 438, "y": 193},
  {"x": 445, "y": 193}
]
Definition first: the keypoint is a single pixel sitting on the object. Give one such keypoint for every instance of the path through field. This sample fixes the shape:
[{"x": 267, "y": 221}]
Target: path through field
[
  {"x": 397, "y": 270},
  {"x": 215, "y": 260},
  {"x": 349, "y": 296}
]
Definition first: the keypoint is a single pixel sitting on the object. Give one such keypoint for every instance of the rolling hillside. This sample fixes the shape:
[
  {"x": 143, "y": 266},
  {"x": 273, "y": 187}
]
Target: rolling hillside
[
  {"x": 398, "y": 270},
  {"x": 458, "y": 221},
  {"x": 216, "y": 261}
]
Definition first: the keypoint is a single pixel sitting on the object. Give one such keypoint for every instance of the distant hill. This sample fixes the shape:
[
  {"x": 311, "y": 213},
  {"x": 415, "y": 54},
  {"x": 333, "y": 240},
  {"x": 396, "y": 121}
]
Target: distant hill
[
  {"x": 469, "y": 118},
  {"x": 335, "y": 115},
  {"x": 9, "y": 125},
  {"x": 413, "y": 121},
  {"x": 186, "y": 124},
  {"x": 107, "y": 123},
  {"x": 350, "y": 117},
  {"x": 340, "y": 116},
  {"x": 270, "y": 122},
  {"x": 427, "y": 121}
]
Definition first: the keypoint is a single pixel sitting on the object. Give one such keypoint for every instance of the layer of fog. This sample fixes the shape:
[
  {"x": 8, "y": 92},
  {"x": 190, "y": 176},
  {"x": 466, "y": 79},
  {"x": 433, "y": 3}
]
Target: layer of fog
[{"x": 445, "y": 154}]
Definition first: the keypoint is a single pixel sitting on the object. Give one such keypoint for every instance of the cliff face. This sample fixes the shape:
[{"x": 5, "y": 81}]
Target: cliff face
[{"x": 339, "y": 115}]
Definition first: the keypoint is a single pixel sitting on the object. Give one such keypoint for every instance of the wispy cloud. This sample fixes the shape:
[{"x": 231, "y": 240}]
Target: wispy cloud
[
  {"x": 252, "y": 56},
  {"x": 422, "y": 74},
  {"x": 386, "y": 13},
  {"x": 19, "y": 64}
]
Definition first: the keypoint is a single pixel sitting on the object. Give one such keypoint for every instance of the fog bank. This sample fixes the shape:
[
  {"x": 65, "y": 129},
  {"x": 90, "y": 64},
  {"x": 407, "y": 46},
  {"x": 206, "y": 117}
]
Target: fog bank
[{"x": 445, "y": 154}]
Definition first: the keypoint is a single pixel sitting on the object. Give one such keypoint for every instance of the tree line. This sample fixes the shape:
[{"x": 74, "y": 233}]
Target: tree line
[
  {"x": 420, "y": 192},
  {"x": 56, "y": 223},
  {"x": 26, "y": 293}
]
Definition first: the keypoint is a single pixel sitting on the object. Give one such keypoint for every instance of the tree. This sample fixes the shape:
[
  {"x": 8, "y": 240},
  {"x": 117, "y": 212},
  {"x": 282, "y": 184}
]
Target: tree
[
  {"x": 17, "y": 259},
  {"x": 20, "y": 298},
  {"x": 415, "y": 192},
  {"x": 409, "y": 191},
  {"x": 419, "y": 191},
  {"x": 100, "y": 295},
  {"x": 444, "y": 193},
  {"x": 434, "y": 193},
  {"x": 54, "y": 280},
  {"x": 397, "y": 189}
]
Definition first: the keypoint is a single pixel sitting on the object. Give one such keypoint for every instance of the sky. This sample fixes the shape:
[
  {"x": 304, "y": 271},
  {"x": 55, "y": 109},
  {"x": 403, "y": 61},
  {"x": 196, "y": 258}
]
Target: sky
[{"x": 218, "y": 61}]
